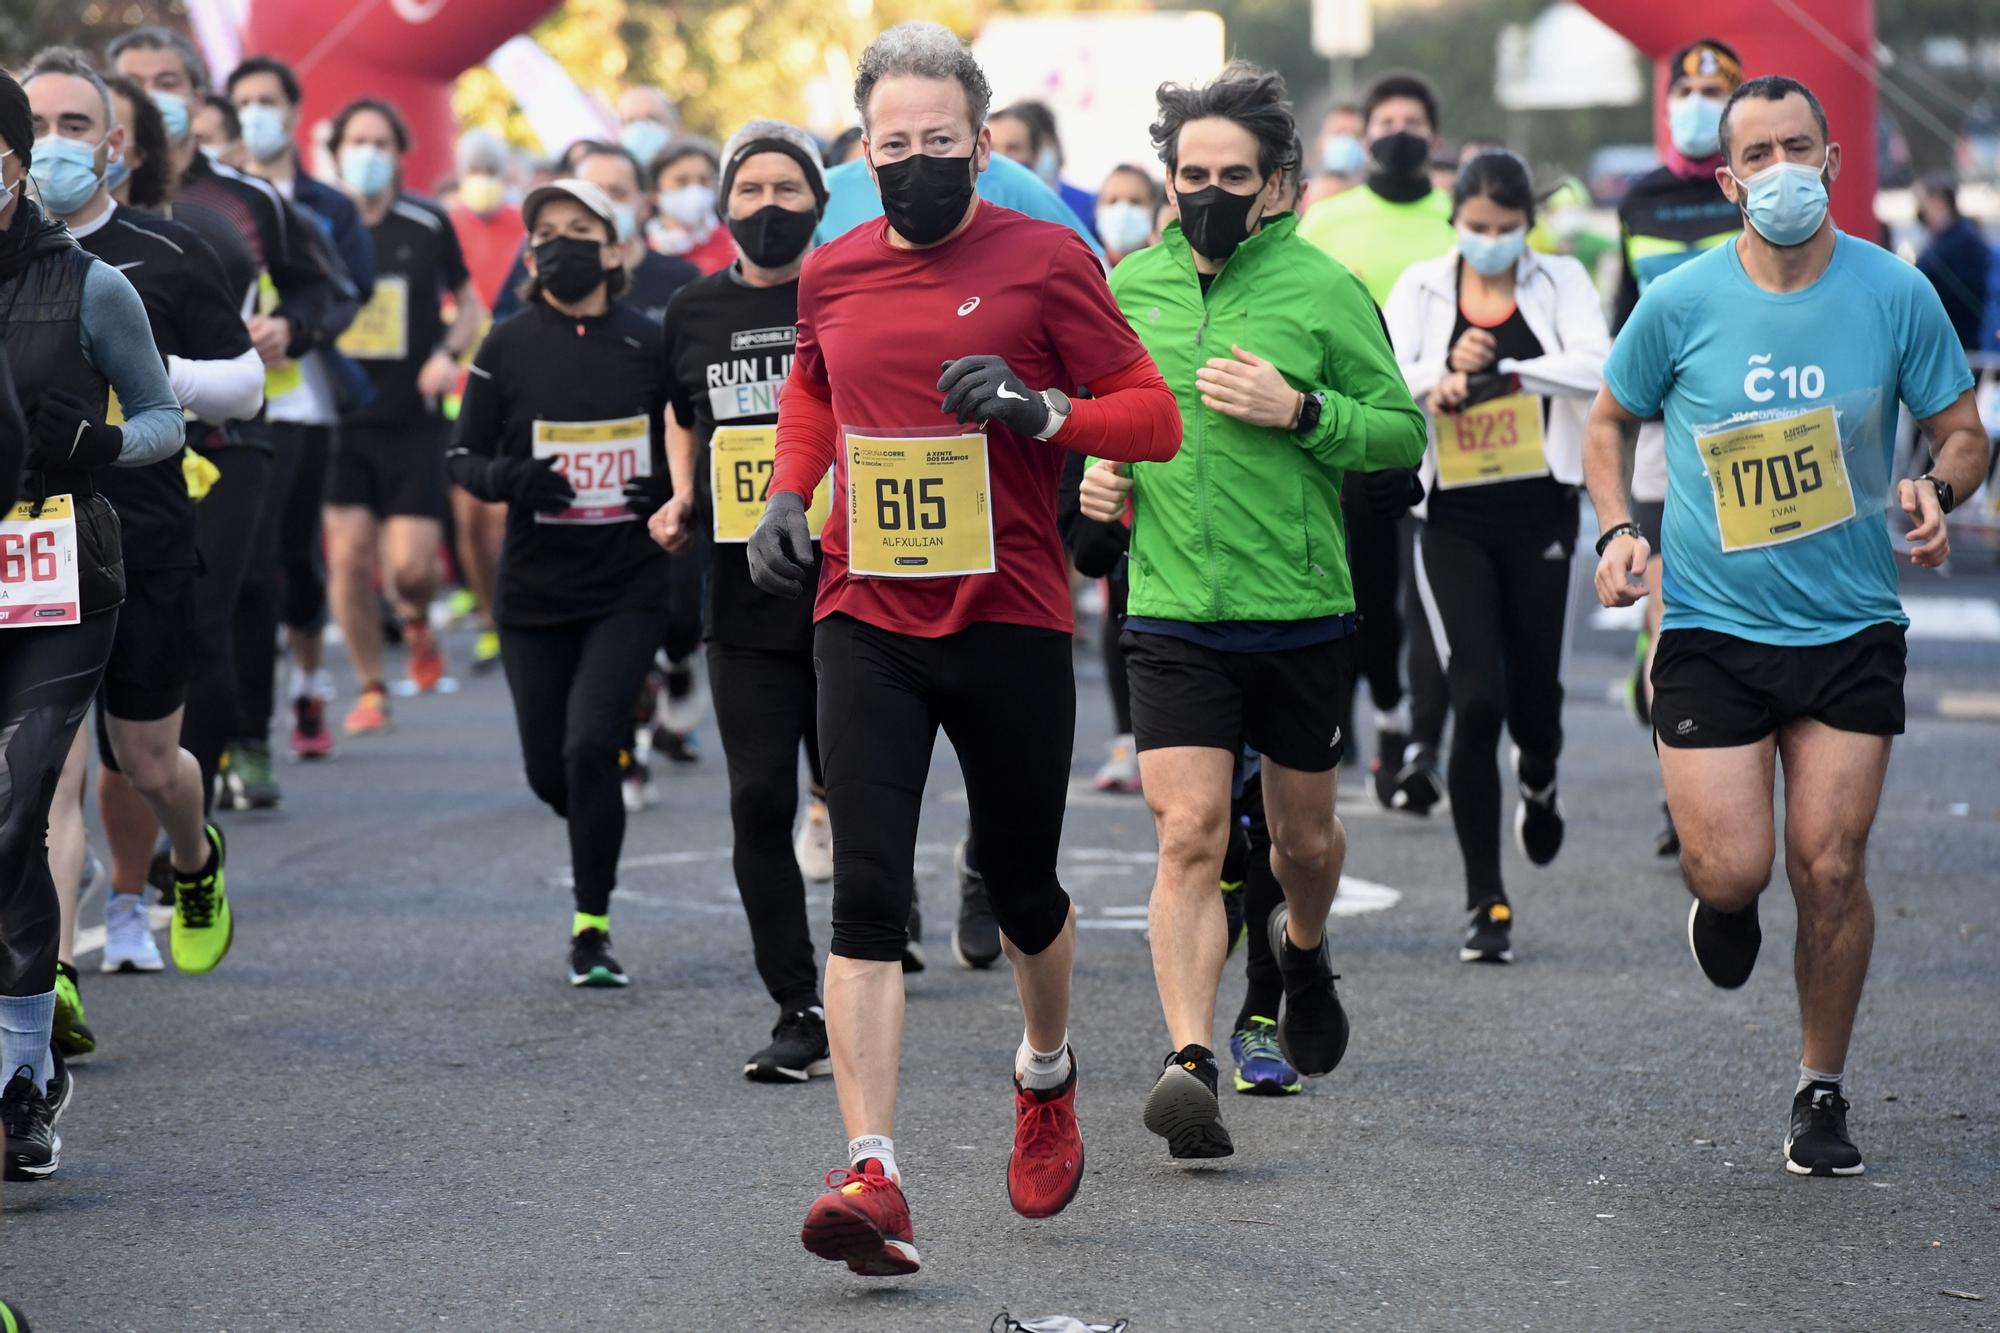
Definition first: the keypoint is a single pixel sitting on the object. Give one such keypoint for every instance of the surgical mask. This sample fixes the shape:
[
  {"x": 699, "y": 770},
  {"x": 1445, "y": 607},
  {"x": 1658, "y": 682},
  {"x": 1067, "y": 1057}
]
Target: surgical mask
[
  {"x": 1216, "y": 221},
  {"x": 1401, "y": 153},
  {"x": 773, "y": 236},
  {"x": 1124, "y": 226},
  {"x": 366, "y": 170},
  {"x": 644, "y": 139},
  {"x": 174, "y": 110},
  {"x": 1785, "y": 202},
  {"x": 65, "y": 173},
  {"x": 925, "y": 197},
  {"x": 6, "y": 191},
  {"x": 1343, "y": 155},
  {"x": 624, "y": 221},
  {"x": 481, "y": 193},
  {"x": 116, "y": 174},
  {"x": 264, "y": 131},
  {"x": 1048, "y": 166},
  {"x": 691, "y": 206},
  {"x": 211, "y": 152},
  {"x": 569, "y": 267},
  {"x": 1695, "y": 125},
  {"x": 1493, "y": 255}
]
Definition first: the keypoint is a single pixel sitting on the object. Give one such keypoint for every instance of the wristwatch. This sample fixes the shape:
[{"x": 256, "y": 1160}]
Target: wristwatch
[
  {"x": 1311, "y": 405},
  {"x": 1058, "y": 405},
  {"x": 1945, "y": 498},
  {"x": 1620, "y": 530}
]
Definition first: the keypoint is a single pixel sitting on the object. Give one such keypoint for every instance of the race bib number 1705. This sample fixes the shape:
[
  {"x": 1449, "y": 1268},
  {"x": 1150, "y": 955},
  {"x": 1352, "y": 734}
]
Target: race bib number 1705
[{"x": 1777, "y": 481}]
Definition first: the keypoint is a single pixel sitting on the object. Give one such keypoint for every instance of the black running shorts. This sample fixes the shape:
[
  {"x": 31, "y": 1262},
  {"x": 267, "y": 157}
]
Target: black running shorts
[
  {"x": 1284, "y": 705},
  {"x": 391, "y": 471},
  {"x": 153, "y": 655},
  {"x": 1713, "y": 690}
]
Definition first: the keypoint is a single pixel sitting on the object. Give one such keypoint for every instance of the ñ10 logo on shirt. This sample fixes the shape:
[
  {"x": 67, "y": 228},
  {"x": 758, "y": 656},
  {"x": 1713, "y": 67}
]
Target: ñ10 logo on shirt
[{"x": 1800, "y": 381}]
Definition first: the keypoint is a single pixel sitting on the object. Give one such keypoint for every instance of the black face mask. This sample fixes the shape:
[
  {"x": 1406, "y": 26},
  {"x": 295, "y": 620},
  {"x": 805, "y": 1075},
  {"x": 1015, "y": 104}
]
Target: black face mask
[
  {"x": 925, "y": 197},
  {"x": 1401, "y": 153},
  {"x": 570, "y": 268},
  {"x": 1216, "y": 221},
  {"x": 773, "y": 236}
]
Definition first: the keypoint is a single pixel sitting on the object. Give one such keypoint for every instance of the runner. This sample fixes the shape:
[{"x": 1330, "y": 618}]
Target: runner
[
  {"x": 1777, "y": 362},
  {"x": 74, "y": 332},
  {"x": 683, "y": 178},
  {"x": 563, "y": 406},
  {"x": 730, "y": 338},
  {"x": 1505, "y": 346},
  {"x": 216, "y": 375},
  {"x": 1239, "y": 624},
  {"x": 647, "y": 121},
  {"x": 943, "y": 601},
  {"x": 300, "y": 421},
  {"x": 387, "y": 488},
  {"x": 1669, "y": 216},
  {"x": 1026, "y": 132},
  {"x": 1378, "y": 229}
]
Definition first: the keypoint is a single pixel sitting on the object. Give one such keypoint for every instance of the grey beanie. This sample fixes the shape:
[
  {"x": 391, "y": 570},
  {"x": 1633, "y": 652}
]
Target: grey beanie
[{"x": 771, "y": 136}]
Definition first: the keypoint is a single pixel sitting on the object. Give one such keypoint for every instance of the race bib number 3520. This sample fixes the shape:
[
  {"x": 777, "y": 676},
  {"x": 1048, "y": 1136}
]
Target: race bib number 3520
[
  {"x": 918, "y": 508},
  {"x": 1777, "y": 481},
  {"x": 38, "y": 583},
  {"x": 599, "y": 458}
]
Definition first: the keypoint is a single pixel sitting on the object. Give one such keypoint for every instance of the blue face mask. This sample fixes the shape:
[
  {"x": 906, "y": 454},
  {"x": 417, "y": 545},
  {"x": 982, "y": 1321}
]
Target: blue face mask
[
  {"x": 1695, "y": 124},
  {"x": 116, "y": 175},
  {"x": 1124, "y": 226},
  {"x": 626, "y": 219},
  {"x": 644, "y": 139},
  {"x": 366, "y": 170},
  {"x": 1344, "y": 156},
  {"x": 65, "y": 173},
  {"x": 264, "y": 131},
  {"x": 1785, "y": 202},
  {"x": 174, "y": 110},
  {"x": 1491, "y": 256},
  {"x": 1048, "y": 166}
]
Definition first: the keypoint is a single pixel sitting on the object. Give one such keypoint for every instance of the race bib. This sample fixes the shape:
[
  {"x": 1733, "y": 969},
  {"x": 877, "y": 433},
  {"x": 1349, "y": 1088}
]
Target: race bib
[
  {"x": 598, "y": 457},
  {"x": 381, "y": 329},
  {"x": 739, "y": 477},
  {"x": 38, "y": 584},
  {"x": 1777, "y": 481},
  {"x": 286, "y": 377},
  {"x": 918, "y": 507},
  {"x": 1497, "y": 440}
]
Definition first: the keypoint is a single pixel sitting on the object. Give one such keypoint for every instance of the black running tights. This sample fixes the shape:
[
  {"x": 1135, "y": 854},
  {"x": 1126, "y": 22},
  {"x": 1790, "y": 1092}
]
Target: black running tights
[{"x": 226, "y": 522}]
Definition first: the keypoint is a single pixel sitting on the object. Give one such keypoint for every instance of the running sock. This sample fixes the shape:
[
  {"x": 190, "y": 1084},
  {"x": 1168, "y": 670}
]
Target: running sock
[
  {"x": 878, "y": 1146},
  {"x": 1397, "y": 719},
  {"x": 1260, "y": 1000},
  {"x": 1042, "y": 1070},
  {"x": 583, "y": 921},
  {"x": 27, "y": 1025},
  {"x": 1809, "y": 1076},
  {"x": 125, "y": 902}
]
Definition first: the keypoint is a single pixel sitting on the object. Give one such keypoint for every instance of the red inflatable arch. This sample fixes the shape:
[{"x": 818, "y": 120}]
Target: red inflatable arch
[
  {"x": 406, "y": 52},
  {"x": 1828, "y": 45}
]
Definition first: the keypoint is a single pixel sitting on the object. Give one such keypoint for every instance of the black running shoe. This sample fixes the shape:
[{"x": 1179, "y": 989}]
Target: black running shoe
[
  {"x": 1667, "y": 842},
  {"x": 1183, "y": 1109},
  {"x": 913, "y": 947},
  {"x": 590, "y": 960},
  {"x": 797, "y": 1051},
  {"x": 1419, "y": 784},
  {"x": 1724, "y": 943},
  {"x": 1817, "y": 1143},
  {"x": 34, "y": 1149},
  {"x": 1387, "y": 763},
  {"x": 1489, "y": 938},
  {"x": 160, "y": 874},
  {"x": 62, "y": 1086},
  {"x": 1312, "y": 1030},
  {"x": 1538, "y": 821},
  {"x": 975, "y": 940}
]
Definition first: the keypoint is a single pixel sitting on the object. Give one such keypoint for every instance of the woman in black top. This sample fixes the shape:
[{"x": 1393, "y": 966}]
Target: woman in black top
[{"x": 562, "y": 421}]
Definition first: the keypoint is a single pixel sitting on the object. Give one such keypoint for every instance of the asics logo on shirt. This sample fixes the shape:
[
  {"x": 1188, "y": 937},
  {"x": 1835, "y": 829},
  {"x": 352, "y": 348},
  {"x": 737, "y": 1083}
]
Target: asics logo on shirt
[
  {"x": 969, "y": 307},
  {"x": 1001, "y": 392}
]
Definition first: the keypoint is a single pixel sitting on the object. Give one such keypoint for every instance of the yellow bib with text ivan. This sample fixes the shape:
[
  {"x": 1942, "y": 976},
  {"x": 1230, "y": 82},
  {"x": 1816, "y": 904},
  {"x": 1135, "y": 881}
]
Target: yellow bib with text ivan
[
  {"x": 918, "y": 508},
  {"x": 1498, "y": 440},
  {"x": 1777, "y": 481},
  {"x": 739, "y": 476}
]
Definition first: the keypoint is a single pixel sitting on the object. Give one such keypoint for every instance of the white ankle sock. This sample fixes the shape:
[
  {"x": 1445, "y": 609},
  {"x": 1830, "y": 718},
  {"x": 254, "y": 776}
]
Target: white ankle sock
[
  {"x": 1396, "y": 719},
  {"x": 1042, "y": 1070},
  {"x": 1808, "y": 1076},
  {"x": 879, "y": 1146}
]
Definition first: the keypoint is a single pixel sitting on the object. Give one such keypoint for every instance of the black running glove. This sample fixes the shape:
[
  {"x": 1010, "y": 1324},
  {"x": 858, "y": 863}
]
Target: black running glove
[
  {"x": 645, "y": 495},
  {"x": 780, "y": 550},
  {"x": 1392, "y": 491},
  {"x": 1488, "y": 385},
  {"x": 982, "y": 389},
  {"x": 61, "y": 435},
  {"x": 532, "y": 483}
]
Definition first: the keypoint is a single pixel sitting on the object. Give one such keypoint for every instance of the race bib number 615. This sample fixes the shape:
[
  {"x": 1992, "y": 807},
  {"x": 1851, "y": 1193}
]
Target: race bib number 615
[{"x": 918, "y": 508}]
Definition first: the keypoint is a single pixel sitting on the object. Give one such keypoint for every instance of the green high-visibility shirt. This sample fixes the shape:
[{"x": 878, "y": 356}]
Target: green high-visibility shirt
[{"x": 1375, "y": 239}]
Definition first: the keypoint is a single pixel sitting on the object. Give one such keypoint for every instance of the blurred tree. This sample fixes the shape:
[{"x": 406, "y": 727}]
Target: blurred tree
[{"x": 26, "y": 26}]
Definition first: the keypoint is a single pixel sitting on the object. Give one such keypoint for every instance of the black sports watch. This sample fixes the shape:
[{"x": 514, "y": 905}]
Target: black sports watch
[
  {"x": 1311, "y": 405},
  {"x": 1620, "y": 530},
  {"x": 1945, "y": 497}
]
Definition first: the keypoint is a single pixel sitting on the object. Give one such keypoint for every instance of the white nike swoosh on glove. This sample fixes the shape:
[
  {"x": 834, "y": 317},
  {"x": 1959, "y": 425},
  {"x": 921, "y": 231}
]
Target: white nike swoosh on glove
[{"x": 1001, "y": 392}]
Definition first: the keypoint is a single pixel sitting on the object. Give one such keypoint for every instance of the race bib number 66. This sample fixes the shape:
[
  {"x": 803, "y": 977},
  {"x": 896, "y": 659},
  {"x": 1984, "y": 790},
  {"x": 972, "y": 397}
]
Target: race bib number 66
[
  {"x": 38, "y": 583},
  {"x": 599, "y": 458}
]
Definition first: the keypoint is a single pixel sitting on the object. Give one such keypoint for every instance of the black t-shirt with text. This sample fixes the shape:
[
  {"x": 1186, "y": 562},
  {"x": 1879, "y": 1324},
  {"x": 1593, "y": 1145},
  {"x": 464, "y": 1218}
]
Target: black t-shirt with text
[
  {"x": 729, "y": 346},
  {"x": 418, "y": 263},
  {"x": 655, "y": 282}
]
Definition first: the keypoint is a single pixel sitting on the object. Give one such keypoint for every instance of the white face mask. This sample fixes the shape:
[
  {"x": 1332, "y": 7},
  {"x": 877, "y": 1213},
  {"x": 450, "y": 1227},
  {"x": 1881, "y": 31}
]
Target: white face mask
[{"x": 691, "y": 206}]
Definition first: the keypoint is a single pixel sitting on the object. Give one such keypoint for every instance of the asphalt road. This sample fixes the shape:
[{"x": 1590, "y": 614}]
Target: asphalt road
[{"x": 387, "y": 1111}]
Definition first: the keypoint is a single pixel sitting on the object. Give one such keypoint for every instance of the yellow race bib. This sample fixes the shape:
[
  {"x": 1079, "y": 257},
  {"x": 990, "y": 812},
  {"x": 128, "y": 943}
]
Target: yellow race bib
[
  {"x": 285, "y": 378},
  {"x": 598, "y": 457},
  {"x": 1777, "y": 481},
  {"x": 381, "y": 329},
  {"x": 918, "y": 507},
  {"x": 739, "y": 480},
  {"x": 1498, "y": 440},
  {"x": 38, "y": 575}
]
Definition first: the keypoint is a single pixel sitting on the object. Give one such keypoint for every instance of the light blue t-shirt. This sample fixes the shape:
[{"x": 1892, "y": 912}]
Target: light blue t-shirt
[
  {"x": 851, "y": 198},
  {"x": 1706, "y": 344}
]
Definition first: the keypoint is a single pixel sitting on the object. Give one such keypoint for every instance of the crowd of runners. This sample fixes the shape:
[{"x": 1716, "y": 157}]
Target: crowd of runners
[{"x": 817, "y": 439}]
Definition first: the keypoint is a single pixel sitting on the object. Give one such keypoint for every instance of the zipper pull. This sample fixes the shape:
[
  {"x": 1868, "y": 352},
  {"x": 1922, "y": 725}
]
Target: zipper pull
[{"x": 1201, "y": 332}]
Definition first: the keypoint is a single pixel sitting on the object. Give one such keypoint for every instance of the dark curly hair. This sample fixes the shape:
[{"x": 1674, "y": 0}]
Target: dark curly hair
[{"x": 1244, "y": 93}]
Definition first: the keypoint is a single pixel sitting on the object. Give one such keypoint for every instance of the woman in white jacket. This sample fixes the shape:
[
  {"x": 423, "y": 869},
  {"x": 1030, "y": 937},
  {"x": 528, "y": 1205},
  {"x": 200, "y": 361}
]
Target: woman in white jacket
[{"x": 1505, "y": 348}]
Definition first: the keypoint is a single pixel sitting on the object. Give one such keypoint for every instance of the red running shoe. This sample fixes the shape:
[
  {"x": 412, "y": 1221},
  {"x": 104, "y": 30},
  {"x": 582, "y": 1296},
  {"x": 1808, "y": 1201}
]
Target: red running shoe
[
  {"x": 1046, "y": 1168},
  {"x": 862, "y": 1221},
  {"x": 310, "y": 738}
]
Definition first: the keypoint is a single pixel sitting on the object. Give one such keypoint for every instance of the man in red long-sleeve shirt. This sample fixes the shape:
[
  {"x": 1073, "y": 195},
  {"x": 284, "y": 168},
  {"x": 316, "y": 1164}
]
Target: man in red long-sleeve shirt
[{"x": 943, "y": 597}]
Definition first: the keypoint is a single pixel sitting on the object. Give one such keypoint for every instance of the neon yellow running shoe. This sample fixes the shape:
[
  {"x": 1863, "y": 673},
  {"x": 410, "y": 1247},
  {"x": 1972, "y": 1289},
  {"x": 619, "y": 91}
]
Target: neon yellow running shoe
[
  {"x": 72, "y": 1034},
  {"x": 203, "y": 927}
]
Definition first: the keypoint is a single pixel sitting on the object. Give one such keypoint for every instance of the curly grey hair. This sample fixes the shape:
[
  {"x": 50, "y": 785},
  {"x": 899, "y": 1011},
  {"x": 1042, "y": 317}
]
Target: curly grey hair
[{"x": 928, "y": 51}]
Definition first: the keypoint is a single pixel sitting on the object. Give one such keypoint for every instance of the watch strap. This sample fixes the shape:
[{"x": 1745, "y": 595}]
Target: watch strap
[{"x": 1627, "y": 529}]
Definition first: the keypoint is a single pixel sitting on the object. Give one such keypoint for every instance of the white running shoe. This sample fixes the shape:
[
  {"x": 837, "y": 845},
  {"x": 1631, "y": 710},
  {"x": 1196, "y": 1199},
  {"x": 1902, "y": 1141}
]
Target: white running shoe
[
  {"x": 1120, "y": 771},
  {"x": 684, "y": 701},
  {"x": 128, "y": 936},
  {"x": 637, "y": 788},
  {"x": 814, "y": 844}
]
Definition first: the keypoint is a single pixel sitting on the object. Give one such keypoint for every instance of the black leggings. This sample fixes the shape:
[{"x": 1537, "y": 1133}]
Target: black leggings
[
  {"x": 1374, "y": 562},
  {"x": 254, "y": 627},
  {"x": 301, "y": 550},
  {"x": 765, "y": 709},
  {"x": 1500, "y": 599},
  {"x": 573, "y": 687},
  {"x": 226, "y": 523},
  {"x": 47, "y": 679},
  {"x": 1430, "y": 692},
  {"x": 685, "y": 575},
  {"x": 1116, "y": 586},
  {"x": 1005, "y": 695},
  {"x": 1261, "y": 896}
]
